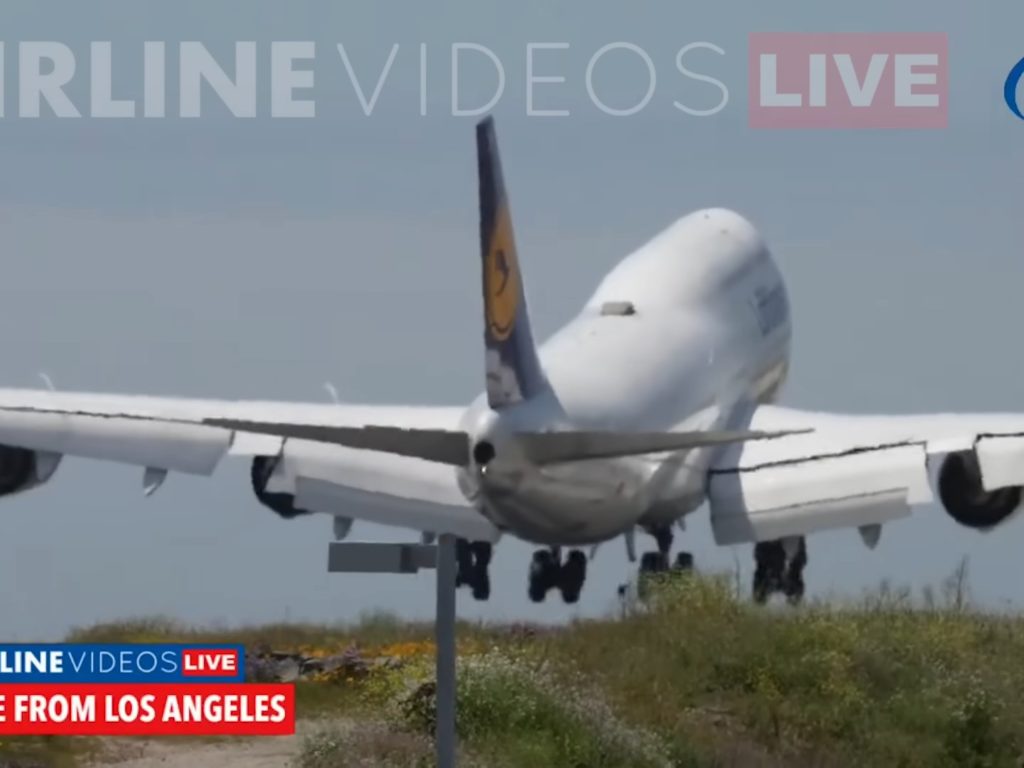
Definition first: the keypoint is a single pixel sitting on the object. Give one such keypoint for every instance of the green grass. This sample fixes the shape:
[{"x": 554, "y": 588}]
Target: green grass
[
  {"x": 697, "y": 677},
  {"x": 882, "y": 683},
  {"x": 46, "y": 751}
]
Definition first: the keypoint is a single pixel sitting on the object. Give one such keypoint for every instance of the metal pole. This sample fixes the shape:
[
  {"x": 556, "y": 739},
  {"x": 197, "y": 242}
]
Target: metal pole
[{"x": 444, "y": 631}]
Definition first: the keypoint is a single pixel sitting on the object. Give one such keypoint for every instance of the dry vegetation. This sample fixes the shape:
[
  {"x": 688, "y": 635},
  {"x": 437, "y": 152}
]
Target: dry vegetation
[{"x": 696, "y": 677}]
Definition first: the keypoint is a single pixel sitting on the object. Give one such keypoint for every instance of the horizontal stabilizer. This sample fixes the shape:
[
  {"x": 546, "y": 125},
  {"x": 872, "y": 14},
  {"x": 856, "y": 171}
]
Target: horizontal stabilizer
[
  {"x": 438, "y": 445},
  {"x": 554, "y": 447},
  {"x": 453, "y": 447}
]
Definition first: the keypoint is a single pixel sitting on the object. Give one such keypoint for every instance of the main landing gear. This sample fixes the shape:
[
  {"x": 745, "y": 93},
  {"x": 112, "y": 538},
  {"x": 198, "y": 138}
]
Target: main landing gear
[
  {"x": 658, "y": 562},
  {"x": 473, "y": 561},
  {"x": 780, "y": 569},
  {"x": 548, "y": 571}
]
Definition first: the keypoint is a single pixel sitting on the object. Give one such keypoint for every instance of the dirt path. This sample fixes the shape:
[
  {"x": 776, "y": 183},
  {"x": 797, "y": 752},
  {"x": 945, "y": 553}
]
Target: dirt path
[{"x": 269, "y": 752}]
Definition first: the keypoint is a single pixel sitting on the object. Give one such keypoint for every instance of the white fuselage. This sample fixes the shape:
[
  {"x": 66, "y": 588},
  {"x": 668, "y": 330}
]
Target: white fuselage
[{"x": 708, "y": 336}]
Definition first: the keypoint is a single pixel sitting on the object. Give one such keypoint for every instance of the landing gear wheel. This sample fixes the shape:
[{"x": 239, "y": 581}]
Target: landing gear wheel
[
  {"x": 481, "y": 553},
  {"x": 544, "y": 569},
  {"x": 653, "y": 562},
  {"x": 793, "y": 584},
  {"x": 481, "y": 583},
  {"x": 770, "y": 557},
  {"x": 684, "y": 561},
  {"x": 761, "y": 591},
  {"x": 794, "y": 590},
  {"x": 463, "y": 563},
  {"x": 472, "y": 560},
  {"x": 774, "y": 574},
  {"x": 572, "y": 575}
]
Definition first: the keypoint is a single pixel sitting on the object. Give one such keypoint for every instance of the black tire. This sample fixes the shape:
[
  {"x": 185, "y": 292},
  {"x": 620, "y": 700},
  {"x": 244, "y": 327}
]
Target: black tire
[
  {"x": 543, "y": 573},
  {"x": 575, "y": 567},
  {"x": 793, "y": 581},
  {"x": 652, "y": 562},
  {"x": 684, "y": 561},
  {"x": 481, "y": 584},
  {"x": 761, "y": 589},
  {"x": 570, "y": 596},
  {"x": 463, "y": 563},
  {"x": 481, "y": 553},
  {"x": 770, "y": 555},
  {"x": 799, "y": 561},
  {"x": 463, "y": 555},
  {"x": 572, "y": 575},
  {"x": 542, "y": 564},
  {"x": 794, "y": 589}
]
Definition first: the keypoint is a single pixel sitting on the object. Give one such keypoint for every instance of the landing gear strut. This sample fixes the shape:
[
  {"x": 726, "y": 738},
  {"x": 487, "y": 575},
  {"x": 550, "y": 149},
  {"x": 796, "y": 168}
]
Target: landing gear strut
[
  {"x": 473, "y": 560},
  {"x": 780, "y": 569},
  {"x": 548, "y": 571}
]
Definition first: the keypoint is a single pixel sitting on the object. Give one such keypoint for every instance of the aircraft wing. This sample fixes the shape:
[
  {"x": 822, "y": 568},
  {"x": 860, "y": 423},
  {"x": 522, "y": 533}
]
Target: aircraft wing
[
  {"x": 164, "y": 435},
  {"x": 863, "y": 471}
]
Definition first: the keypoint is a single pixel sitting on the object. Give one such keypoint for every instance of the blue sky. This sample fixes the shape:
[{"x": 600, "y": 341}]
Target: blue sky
[{"x": 223, "y": 257}]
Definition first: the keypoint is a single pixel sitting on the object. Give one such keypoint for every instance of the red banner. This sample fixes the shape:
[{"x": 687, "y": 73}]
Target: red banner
[{"x": 202, "y": 709}]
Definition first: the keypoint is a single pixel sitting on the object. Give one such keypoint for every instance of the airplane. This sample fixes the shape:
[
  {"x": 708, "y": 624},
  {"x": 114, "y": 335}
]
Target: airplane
[{"x": 660, "y": 397}]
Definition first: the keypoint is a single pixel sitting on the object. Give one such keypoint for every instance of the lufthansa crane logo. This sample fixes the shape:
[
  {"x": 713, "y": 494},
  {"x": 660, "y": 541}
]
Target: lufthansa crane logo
[
  {"x": 502, "y": 280},
  {"x": 1010, "y": 89}
]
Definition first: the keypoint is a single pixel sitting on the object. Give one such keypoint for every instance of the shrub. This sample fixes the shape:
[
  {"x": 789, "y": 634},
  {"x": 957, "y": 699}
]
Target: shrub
[{"x": 511, "y": 709}]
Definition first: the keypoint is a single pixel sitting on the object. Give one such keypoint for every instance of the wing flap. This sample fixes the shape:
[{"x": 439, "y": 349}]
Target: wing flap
[
  {"x": 177, "y": 446},
  {"x": 388, "y": 509},
  {"x": 807, "y": 496},
  {"x": 1001, "y": 458},
  {"x": 251, "y": 444},
  {"x": 852, "y": 471},
  {"x": 772, "y": 524},
  {"x": 377, "y": 487}
]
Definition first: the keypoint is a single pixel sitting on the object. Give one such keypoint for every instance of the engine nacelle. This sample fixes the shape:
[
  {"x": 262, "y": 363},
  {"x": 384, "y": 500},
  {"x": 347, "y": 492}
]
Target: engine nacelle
[
  {"x": 281, "y": 503},
  {"x": 965, "y": 498},
  {"x": 22, "y": 469}
]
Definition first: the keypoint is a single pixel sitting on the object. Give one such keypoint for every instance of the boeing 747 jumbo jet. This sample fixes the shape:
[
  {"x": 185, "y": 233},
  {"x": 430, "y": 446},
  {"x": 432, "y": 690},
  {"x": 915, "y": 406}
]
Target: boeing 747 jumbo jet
[{"x": 656, "y": 398}]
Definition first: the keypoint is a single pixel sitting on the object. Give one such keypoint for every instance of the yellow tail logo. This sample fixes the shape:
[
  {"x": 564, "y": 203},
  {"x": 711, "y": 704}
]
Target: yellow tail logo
[{"x": 502, "y": 279}]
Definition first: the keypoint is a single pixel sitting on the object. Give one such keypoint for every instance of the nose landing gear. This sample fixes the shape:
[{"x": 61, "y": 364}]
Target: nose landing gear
[
  {"x": 547, "y": 572},
  {"x": 658, "y": 562}
]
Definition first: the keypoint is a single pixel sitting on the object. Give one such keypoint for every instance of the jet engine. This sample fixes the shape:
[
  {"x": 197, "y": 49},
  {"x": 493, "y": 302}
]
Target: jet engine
[
  {"x": 282, "y": 503},
  {"x": 22, "y": 469},
  {"x": 966, "y": 500}
]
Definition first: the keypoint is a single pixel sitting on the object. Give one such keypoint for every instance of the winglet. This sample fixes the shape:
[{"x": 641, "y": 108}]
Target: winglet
[{"x": 514, "y": 373}]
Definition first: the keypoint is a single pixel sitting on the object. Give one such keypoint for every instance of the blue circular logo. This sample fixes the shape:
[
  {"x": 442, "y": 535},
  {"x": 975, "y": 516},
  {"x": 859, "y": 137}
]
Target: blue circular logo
[{"x": 1010, "y": 89}]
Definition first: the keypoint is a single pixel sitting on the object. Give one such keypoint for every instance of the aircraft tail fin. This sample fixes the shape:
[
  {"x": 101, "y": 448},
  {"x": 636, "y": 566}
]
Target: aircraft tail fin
[{"x": 513, "y": 368}]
